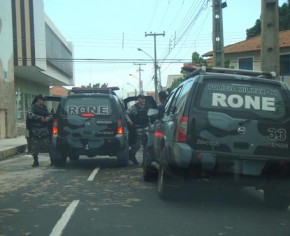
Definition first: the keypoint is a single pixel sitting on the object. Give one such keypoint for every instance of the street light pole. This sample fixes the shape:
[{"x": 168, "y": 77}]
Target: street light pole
[
  {"x": 140, "y": 80},
  {"x": 135, "y": 91},
  {"x": 155, "y": 62}
]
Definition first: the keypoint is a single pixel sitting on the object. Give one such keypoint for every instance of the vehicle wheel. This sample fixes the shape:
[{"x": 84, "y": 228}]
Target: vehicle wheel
[
  {"x": 149, "y": 173},
  {"x": 58, "y": 157},
  {"x": 276, "y": 200},
  {"x": 123, "y": 156},
  {"x": 74, "y": 157},
  {"x": 164, "y": 191}
]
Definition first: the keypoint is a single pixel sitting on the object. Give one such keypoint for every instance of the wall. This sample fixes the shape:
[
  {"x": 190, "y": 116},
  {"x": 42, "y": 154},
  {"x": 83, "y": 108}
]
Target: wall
[{"x": 7, "y": 92}]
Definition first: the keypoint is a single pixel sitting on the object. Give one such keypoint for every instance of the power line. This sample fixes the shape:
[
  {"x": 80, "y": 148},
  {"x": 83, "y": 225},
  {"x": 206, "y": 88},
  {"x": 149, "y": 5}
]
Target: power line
[{"x": 102, "y": 60}]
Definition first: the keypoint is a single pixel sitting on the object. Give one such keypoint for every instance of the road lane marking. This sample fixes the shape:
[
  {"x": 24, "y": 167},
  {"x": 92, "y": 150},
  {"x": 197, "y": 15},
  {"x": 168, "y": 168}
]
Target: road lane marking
[
  {"x": 93, "y": 174},
  {"x": 61, "y": 224}
]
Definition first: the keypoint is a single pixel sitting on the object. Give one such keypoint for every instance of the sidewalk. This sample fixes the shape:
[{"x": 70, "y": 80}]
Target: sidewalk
[{"x": 10, "y": 147}]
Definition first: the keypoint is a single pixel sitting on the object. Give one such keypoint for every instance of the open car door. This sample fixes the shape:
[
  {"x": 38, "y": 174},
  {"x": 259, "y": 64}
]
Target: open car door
[{"x": 149, "y": 100}]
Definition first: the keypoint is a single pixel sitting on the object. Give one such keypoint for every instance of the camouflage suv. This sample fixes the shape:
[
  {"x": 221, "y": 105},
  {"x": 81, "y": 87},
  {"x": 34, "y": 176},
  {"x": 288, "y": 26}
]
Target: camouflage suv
[
  {"x": 225, "y": 123},
  {"x": 89, "y": 122}
]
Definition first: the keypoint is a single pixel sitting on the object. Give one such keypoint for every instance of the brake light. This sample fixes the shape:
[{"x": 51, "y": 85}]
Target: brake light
[
  {"x": 181, "y": 134},
  {"x": 54, "y": 126},
  {"x": 158, "y": 134},
  {"x": 120, "y": 129},
  {"x": 87, "y": 115}
]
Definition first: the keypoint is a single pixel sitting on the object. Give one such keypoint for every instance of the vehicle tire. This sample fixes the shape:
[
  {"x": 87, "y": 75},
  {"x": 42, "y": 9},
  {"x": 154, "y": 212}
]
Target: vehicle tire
[
  {"x": 165, "y": 190},
  {"x": 123, "y": 156},
  {"x": 58, "y": 157},
  {"x": 276, "y": 200},
  {"x": 149, "y": 172}
]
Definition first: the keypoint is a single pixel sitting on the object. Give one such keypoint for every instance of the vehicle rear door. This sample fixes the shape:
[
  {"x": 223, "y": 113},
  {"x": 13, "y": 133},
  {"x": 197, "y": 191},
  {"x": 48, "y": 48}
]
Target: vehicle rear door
[
  {"x": 244, "y": 117},
  {"x": 88, "y": 116}
]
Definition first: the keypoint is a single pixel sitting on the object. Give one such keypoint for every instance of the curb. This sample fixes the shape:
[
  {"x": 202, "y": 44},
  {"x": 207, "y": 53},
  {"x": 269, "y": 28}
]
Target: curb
[{"x": 12, "y": 151}]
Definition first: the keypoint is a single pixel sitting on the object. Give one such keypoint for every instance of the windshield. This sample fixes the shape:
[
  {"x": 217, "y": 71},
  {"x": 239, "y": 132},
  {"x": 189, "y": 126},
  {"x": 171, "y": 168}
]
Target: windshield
[{"x": 246, "y": 98}]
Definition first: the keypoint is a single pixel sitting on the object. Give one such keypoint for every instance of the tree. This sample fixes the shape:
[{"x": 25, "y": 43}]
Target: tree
[
  {"x": 284, "y": 21},
  {"x": 97, "y": 85},
  {"x": 197, "y": 60},
  {"x": 255, "y": 30}
]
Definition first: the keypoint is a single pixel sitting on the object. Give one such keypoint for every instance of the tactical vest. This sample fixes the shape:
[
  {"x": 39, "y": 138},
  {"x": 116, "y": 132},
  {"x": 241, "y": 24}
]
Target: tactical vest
[
  {"x": 40, "y": 111},
  {"x": 141, "y": 119}
]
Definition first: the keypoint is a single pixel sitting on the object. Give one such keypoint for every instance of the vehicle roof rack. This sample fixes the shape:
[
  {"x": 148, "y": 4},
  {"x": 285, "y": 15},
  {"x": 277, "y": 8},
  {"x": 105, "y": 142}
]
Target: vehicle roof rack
[
  {"x": 105, "y": 90},
  {"x": 219, "y": 70}
]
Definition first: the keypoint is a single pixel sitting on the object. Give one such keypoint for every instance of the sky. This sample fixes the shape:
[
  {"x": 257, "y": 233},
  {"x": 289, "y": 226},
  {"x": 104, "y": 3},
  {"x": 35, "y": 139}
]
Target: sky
[{"x": 108, "y": 32}]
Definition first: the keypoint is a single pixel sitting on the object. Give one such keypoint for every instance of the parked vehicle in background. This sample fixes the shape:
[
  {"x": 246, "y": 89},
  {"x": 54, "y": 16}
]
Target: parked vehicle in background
[
  {"x": 223, "y": 124},
  {"x": 90, "y": 122}
]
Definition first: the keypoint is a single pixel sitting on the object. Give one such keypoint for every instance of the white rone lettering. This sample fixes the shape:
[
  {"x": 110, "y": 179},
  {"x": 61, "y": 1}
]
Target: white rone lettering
[
  {"x": 252, "y": 102},
  {"x": 219, "y": 99},
  {"x": 235, "y": 101},
  {"x": 268, "y": 104}
]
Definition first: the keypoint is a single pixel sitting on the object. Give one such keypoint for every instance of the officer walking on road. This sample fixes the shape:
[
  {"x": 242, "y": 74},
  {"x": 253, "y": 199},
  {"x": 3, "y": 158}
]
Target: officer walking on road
[
  {"x": 139, "y": 120},
  {"x": 38, "y": 117}
]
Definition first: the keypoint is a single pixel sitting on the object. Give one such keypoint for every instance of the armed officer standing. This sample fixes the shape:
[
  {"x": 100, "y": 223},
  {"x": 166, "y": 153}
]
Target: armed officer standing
[
  {"x": 139, "y": 120},
  {"x": 38, "y": 117}
]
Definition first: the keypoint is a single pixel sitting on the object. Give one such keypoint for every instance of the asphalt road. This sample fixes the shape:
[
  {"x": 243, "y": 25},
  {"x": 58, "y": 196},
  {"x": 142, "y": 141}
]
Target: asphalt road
[{"x": 95, "y": 197}]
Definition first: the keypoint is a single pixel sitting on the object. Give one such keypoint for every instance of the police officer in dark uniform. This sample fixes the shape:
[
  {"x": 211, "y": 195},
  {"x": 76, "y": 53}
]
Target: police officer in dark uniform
[
  {"x": 139, "y": 120},
  {"x": 38, "y": 118},
  {"x": 162, "y": 95}
]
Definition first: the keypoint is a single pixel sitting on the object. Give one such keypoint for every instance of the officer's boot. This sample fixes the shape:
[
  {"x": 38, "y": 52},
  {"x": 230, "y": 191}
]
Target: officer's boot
[
  {"x": 35, "y": 163},
  {"x": 133, "y": 158}
]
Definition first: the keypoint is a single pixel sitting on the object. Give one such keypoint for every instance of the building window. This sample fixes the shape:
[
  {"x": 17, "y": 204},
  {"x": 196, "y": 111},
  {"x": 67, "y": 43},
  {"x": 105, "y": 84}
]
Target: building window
[
  {"x": 246, "y": 63},
  {"x": 285, "y": 64}
]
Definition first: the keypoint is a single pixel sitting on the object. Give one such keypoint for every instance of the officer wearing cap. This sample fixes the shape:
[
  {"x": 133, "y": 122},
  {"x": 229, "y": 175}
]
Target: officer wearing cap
[
  {"x": 139, "y": 120},
  {"x": 38, "y": 117}
]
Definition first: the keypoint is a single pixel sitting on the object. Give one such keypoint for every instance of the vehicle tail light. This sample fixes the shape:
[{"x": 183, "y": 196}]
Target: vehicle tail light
[
  {"x": 158, "y": 134},
  {"x": 120, "y": 129},
  {"x": 87, "y": 115},
  {"x": 55, "y": 126},
  {"x": 181, "y": 134}
]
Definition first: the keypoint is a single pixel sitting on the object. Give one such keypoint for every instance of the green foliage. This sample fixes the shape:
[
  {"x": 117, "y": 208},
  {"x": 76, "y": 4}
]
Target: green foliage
[
  {"x": 97, "y": 85},
  {"x": 284, "y": 21},
  {"x": 255, "y": 30},
  {"x": 198, "y": 60},
  {"x": 284, "y": 16}
]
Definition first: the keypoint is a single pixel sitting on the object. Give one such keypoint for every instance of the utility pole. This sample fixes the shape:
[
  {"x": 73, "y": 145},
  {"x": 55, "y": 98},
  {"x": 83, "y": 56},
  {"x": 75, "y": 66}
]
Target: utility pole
[
  {"x": 270, "y": 49},
  {"x": 159, "y": 81},
  {"x": 155, "y": 63},
  {"x": 140, "y": 80},
  {"x": 218, "y": 35}
]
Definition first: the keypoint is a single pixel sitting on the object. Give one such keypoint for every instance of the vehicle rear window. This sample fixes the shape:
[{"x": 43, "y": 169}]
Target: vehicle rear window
[
  {"x": 99, "y": 106},
  {"x": 259, "y": 99}
]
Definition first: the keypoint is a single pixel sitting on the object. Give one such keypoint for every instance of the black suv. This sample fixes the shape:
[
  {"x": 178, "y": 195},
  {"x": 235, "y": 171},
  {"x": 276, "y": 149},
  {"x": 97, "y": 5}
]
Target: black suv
[
  {"x": 223, "y": 124},
  {"x": 89, "y": 122}
]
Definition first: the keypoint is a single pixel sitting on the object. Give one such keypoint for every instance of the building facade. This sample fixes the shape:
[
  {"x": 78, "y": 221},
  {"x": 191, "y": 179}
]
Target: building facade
[
  {"x": 33, "y": 56},
  {"x": 7, "y": 92},
  {"x": 247, "y": 55}
]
